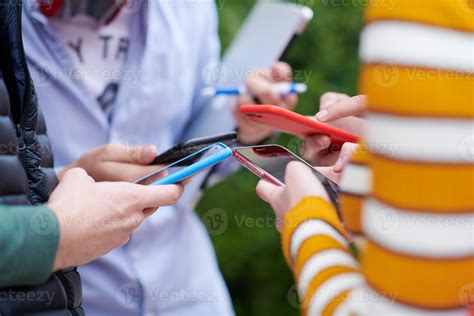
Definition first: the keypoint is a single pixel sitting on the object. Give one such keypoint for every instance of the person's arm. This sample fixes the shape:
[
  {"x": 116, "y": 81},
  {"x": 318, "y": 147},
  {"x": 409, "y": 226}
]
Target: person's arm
[
  {"x": 315, "y": 245},
  {"x": 29, "y": 238},
  {"x": 314, "y": 241}
]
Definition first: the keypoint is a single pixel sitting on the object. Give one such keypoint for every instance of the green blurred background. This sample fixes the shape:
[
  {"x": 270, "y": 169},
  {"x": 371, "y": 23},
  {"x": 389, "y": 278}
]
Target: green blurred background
[{"x": 241, "y": 225}]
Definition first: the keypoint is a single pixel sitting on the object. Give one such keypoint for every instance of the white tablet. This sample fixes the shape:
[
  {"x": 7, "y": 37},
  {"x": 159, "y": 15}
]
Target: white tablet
[{"x": 266, "y": 33}]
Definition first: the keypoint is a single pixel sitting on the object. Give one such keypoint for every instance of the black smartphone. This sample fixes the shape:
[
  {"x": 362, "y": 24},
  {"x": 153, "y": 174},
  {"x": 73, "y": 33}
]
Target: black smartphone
[{"x": 191, "y": 146}]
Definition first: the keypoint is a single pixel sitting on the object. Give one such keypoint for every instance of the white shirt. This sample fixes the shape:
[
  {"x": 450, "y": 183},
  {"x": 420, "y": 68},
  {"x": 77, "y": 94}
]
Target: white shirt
[{"x": 98, "y": 53}]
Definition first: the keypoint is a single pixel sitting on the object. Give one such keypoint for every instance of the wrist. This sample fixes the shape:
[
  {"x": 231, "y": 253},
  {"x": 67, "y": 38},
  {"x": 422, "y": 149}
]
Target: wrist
[{"x": 59, "y": 260}]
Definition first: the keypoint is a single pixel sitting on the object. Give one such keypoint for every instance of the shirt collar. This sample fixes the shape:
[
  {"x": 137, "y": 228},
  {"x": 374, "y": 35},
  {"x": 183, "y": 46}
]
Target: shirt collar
[{"x": 32, "y": 10}]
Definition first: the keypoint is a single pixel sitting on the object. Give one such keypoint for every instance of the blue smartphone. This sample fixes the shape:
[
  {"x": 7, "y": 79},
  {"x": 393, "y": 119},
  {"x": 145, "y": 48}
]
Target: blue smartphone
[{"x": 188, "y": 166}]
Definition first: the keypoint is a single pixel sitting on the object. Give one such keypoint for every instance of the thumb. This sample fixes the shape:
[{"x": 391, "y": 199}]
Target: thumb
[
  {"x": 347, "y": 151},
  {"x": 144, "y": 154},
  {"x": 266, "y": 190},
  {"x": 298, "y": 174},
  {"x": 302, "y": 182},
  {"x": 354, "y": 106}
]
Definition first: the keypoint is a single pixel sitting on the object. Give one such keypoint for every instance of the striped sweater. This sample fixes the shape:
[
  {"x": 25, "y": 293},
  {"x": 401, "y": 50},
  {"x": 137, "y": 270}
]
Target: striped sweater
[{"x": 411, "y": 192}]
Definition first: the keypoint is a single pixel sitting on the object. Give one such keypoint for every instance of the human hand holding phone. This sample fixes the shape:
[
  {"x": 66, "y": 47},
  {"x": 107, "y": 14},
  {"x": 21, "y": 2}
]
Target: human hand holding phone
[
  {"x": 341, "y": 111},
  {"x": 300, "y": 182},
  {"x": 188, "y": 166},
  {"x": 269, "y": 162},
  {"x": 113, "y": 162},
  {"x": 259, "y": 83},
  {"x": 95, "y": 218}
]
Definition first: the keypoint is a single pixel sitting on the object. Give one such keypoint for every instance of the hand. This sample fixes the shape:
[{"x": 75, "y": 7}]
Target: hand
[
  {"x": 117, "y": 162},
  {"x": 260, "y": 86},
  {"x": 300, "y": 183},
  {"x": 95, "y": 218},
  {"x": 341, "y": 111}
]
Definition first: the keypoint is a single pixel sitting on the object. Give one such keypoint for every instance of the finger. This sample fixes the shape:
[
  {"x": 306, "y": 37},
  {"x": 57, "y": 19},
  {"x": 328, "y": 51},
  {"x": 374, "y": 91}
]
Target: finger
[
  {"x": 290, "y": 101},
  {"x": 302, "y": 182},
  {"x": 329, "y": 98},
  {"x": 149, "y": 211},
  {"x": 126, "y": 172},
  {"x": 298, "y": 174},
  {"x": 347, "y": 151},
  {"x": 329, "y": 173},
  {"x": 120, "y": 153},
  {"x": 158, "y": 196},
  {"x": 314, "y": 145},
  {"x": 349, "y": 107},
  {"x": 266, "y": 191},
  {"x": 281, "y": 72},
  {"x": 77, "y": 175},
  {"x": 263, "y": 90},
  {"x": 244, "y": 99}
]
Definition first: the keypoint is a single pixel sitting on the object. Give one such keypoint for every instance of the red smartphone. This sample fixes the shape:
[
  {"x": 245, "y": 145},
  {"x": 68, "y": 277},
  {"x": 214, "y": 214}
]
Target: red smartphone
[
  {"x": 269, "y": 162},
  {"x": 294, "y": 123}
]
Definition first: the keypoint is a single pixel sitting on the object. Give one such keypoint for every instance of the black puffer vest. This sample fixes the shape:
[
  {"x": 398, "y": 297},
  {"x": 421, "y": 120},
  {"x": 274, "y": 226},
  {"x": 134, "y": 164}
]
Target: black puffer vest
[{"x": 26, "y": 177}]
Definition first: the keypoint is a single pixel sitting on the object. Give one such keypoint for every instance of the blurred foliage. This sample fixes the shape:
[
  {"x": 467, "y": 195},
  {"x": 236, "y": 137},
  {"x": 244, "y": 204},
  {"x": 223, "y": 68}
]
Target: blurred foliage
[{"x": 249, "y": 250}]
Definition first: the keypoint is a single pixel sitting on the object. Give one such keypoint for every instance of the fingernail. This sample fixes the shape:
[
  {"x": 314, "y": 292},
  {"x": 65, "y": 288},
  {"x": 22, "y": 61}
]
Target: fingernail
[{"x": 322, "y": 115}]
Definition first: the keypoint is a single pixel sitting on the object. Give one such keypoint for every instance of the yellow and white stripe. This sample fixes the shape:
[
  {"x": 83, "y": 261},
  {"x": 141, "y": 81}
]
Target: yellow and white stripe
[
  {"x": 355, "y": 184},
  {"x": 410, "y": 44},
  {"x": 437, "y": 235},
  {"x": 422, "y": 139},
  {"x": 365, "y": 301},
  {"x": 419, "y": 77},
  {"x": 310, "y": 228},
  {"x": 417, "y": 177}
]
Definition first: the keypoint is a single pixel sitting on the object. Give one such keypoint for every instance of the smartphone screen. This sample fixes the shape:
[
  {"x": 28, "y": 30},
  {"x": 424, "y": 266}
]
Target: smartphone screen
[
  {"x": 273, "y": 159},
  {"x": 179, "y": 165}
]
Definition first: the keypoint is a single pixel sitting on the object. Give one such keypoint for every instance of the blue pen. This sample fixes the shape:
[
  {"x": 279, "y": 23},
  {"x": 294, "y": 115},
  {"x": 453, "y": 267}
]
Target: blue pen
[{"x": 282, "y": 89}]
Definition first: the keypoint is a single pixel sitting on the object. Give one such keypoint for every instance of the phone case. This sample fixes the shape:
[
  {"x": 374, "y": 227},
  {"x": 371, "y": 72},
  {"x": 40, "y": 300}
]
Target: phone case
[
  {"x": 331, "y": 187},
  {"x": 191, "y": 146},
  {"x": 196, "y": 167},
  {"x": 294, "y": 123}
]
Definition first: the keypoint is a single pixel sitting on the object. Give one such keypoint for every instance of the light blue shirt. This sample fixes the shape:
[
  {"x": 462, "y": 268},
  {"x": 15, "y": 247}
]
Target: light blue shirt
[{"x": 169, "y": 266}]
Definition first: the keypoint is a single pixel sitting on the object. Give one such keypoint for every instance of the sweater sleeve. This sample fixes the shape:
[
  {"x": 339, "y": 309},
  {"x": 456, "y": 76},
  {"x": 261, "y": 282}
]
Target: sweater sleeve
[
  {"x": 316, "y": 248},
  {"x": 29, "y": 238}
]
